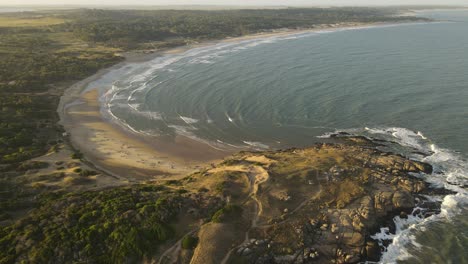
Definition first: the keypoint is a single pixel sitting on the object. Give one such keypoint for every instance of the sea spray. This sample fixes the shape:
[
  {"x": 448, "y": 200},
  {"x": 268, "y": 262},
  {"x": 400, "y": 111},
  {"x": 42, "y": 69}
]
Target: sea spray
[{"x": 450, "y": 172}]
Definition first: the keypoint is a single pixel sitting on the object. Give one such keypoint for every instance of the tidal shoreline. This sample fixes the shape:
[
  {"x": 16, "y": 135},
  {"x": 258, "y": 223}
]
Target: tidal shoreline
[{"x": 121, "y": 152}]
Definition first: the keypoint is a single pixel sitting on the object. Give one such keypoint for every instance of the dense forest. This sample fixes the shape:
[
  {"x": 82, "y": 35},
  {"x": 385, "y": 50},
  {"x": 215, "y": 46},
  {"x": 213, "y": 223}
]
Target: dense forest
[
  {"x": 128, "y": 28},
  {"x": 121, "y": 225},
  {"x": 53, "y": 49}
]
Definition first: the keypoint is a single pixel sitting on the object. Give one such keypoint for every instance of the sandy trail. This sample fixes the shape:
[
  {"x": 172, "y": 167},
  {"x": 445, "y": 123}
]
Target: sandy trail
[
  {"x": 257, "y": 175},
  {"x": 171, "y": 255}
]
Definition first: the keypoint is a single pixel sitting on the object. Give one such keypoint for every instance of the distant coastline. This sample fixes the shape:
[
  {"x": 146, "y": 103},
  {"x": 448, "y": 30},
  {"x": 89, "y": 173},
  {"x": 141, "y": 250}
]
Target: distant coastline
[{"x": 5, "y": 9}]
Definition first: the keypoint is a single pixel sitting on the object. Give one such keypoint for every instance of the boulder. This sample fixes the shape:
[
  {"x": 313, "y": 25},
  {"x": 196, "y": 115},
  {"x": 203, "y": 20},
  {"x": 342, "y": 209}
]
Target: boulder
[
  {"x": 334, "y": 228},
  {"x": 383, "y": 201},
  {"x": 246, "y": 251},
  {"x": 402, "y": 200},
  {"x": 351, "y": 258},
  {"x": 372, "y": 251}
]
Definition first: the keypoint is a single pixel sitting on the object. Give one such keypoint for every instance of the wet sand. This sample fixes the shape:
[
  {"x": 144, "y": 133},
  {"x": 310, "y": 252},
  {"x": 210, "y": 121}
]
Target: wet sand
[{"x": 125, "y": 155}]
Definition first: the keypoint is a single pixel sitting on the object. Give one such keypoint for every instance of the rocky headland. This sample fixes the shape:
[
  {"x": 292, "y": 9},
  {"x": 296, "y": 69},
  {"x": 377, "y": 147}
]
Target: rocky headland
[{"x": 314, "y": 205}]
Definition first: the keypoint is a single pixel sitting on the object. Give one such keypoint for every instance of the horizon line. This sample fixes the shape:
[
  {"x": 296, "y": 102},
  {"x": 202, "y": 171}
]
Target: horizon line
[{"x": 221, "y": 5}]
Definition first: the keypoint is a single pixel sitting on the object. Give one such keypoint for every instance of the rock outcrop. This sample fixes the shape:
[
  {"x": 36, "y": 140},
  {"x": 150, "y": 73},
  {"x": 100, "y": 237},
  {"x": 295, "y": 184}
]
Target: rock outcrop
[{"x": 338, "y": 196}]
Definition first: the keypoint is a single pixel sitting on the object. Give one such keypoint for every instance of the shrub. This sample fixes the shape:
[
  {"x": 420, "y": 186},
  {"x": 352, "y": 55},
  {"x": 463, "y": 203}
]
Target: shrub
[
  {"x": 203, "y": 189},
  {"x": 88, "y": 173},
  {"x": 77, "y": 155},
  {"x": 31, "y": 165},
  {"x": 173, "y": 182},
  {"x": 226, "y": 213},
  {"x": 189, "y": 242}
]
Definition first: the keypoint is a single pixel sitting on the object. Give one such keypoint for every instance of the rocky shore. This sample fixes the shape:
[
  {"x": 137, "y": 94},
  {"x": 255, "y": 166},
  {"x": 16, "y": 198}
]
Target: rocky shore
[{"x": 318, "y": 205}]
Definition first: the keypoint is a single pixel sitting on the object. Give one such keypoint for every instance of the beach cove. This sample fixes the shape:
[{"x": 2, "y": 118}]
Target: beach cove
[{"x": 121, "y": 151}]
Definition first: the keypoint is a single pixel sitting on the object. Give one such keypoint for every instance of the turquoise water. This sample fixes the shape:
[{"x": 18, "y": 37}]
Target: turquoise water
[{"x": 405, "y": 83}]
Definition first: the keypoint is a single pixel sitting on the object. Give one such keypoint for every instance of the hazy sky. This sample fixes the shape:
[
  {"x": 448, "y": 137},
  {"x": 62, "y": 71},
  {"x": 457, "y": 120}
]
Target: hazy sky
[{"x": 235, "y": 2}]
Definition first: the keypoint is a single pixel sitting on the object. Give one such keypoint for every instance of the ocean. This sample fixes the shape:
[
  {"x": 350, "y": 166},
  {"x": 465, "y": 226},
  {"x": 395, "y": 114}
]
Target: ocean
[
  {"x": 404, "y": 83},
  {"x": 10, "y": 9}
]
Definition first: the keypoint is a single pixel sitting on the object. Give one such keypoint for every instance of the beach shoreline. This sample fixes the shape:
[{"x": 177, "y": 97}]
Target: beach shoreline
[{"x": 126, "y": 154}]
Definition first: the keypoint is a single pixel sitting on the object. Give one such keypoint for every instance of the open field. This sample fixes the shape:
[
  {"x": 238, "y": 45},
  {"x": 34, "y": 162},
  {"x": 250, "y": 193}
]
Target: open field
[{"x": 30, "y": 22}]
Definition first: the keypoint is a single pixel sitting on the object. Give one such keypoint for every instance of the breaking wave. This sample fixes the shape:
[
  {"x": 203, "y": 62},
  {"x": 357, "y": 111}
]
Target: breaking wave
[{"x": 450, "y": 171}]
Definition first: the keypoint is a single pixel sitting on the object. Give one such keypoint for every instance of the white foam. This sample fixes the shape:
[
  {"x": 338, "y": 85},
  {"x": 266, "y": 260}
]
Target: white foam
[
  {"x": 188, "y": 120},
  {"x": 257, "y": 145},
  {"x": 134, "y": 107},
  {"x": 152, "y": 115},
  {"x": 404, "y": 235},
  {"x": 450, "y": 172},
  {"x": 187, "y": 131},
  {"x": 383, "y": 234},
  {"x": 183, "y": 130},
  {"x": 403, "y": 136},
  {"x": 406, "y": 228},
  {"x": 326, "y": 135},
  {"x": 121, "y": 121},
  {"x": 131, "y": 97},
  {"x": 454, "y": 205},
  {"x": 421, "y": 135},
  {"x": 231, "y": 145}
]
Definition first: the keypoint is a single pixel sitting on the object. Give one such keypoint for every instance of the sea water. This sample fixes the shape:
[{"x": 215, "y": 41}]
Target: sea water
[{"x": 404, "y": 83}]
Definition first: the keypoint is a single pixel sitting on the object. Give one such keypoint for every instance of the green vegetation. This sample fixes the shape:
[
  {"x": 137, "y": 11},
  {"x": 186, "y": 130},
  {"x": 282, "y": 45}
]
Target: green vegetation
[
  {"x": 162, "y": 28},
  {"x": 33, "y": 67},
  {"x": 26, "y": 125},
  {"x": 37, "y": 62},
  {"x": 189, "y": 242},
  {"x": 227, "y": 213},
  {"x": 112, "y": 226},
  {"x": 31, "y": 165},
  {"x": 77, "y": 155},
  {"x": 88, "y": 173}
]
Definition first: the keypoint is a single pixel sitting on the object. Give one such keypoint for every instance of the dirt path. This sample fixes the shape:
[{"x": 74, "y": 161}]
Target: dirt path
[
  {"x": 171, "y": 255},
  {"x": 297, "y": 208},
  {"x": 257, "y": 175}
]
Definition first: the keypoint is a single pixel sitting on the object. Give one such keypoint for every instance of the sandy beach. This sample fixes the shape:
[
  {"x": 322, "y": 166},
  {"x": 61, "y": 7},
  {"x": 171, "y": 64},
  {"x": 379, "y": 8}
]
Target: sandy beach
[
  {"x": 134, "y": 157},
  {"x": 124, "y": 155}
]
